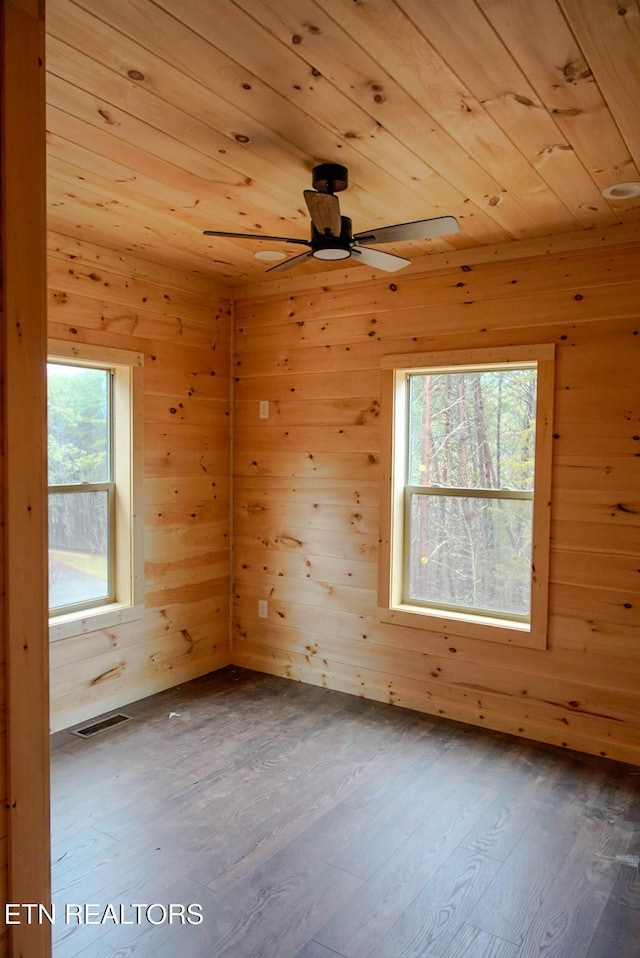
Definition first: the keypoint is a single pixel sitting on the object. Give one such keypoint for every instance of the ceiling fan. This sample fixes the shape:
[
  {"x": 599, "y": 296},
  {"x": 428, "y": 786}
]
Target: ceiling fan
[{"x": 331, "y": 235}]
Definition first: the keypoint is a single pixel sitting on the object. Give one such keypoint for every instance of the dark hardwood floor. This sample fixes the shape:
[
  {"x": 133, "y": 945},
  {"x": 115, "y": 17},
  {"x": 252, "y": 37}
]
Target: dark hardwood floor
[{"x": 311, "y": 824}]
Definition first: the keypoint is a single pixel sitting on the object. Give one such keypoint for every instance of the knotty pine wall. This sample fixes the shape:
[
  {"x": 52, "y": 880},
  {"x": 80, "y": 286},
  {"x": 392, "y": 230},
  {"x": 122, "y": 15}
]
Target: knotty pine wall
[
  {"x": 25, "y": 873},
  {"x": 307, "y": 493},
  {"x": 180, "y": 321},
  {"x": 4, "y": 792}
]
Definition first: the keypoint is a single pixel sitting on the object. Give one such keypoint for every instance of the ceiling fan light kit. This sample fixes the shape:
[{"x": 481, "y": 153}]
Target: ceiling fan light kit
[{"x": 331, "y": 233}]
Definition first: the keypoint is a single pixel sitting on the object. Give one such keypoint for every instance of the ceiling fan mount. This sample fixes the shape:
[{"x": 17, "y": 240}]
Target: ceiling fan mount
[
  {"x": 332, "y": 238},
  {"x": 330, "y": 178}
]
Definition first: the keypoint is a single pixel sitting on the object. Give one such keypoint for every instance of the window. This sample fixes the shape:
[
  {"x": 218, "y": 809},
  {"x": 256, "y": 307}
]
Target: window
[
  {"x": 94, "y": 469},
  {"x": 465, "y": 539},
  {"x": 81, "y": 486}
]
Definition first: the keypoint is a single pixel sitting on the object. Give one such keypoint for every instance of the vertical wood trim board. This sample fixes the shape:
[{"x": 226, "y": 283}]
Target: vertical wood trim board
[
  {"x": 307, "y": 491},
  {"x": 25, "y": 640},
  {"x": 181, "y": 323}
]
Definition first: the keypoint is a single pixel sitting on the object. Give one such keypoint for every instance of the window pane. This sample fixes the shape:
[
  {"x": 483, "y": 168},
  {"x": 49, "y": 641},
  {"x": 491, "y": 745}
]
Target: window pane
[
  {"x": 78, "y": 547},
  {"x": 78, "y": 424},
  {"x": 471, "y": 552},
  {"x": 472, "y": 430}
]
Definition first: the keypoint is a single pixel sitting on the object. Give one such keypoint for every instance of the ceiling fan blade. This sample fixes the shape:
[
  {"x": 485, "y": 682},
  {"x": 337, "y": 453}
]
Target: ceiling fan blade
[
  {"x": 257, "y": 236},
  {"x": 288, "y": 263},
  {"x": 325, "y": 212},
  {"x": 420, "y": 229},
  {"x": 379, "y": 260}
]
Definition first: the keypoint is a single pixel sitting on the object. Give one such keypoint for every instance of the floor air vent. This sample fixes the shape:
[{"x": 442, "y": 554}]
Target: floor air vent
[{"x": 90, "y": 730}]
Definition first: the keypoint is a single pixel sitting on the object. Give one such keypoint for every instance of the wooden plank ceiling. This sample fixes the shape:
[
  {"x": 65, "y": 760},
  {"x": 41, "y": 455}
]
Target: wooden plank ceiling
[{"x": 166, "y": 118}]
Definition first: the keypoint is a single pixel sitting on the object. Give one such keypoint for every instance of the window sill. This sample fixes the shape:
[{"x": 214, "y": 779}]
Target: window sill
[
  {"x": 468, "y": 626},
  {"x": 92, "y": 620}
]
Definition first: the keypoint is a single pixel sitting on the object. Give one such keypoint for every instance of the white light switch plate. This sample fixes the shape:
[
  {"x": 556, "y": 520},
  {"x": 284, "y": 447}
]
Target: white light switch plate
[
  {"x": 262, "y": 608},
  {"x": 264, "y": 408}
]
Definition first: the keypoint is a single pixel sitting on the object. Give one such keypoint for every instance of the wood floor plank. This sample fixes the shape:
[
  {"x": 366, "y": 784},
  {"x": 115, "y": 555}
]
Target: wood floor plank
[
  {"x": 503, "y": 824},
  {"x": 474, "y": 943},
  {"x": 313, "y": 949},
  {"x": 618, "y": 932},
  {"x": 279, "y": 916},
  {"x": 360, "y": 924},
  {"x": 66, "y": 857},
  {"x": 313, "y": 824},
  {"x": 404, "y": 803},
  {"x": 566, "y": 922},
  {"x": 273, "y": 820},
  {"x": 430, "y": 785},
  {"x": 146, "y": 938},
  {"x": 626, "y": 889},
  {"x": 436, "y": 915},
  {"x": 516, "y": 894},
  {"x": 299, "y": 883},
  {"x": 394, "y": 785},
  {"x": 371, "y": 848}
]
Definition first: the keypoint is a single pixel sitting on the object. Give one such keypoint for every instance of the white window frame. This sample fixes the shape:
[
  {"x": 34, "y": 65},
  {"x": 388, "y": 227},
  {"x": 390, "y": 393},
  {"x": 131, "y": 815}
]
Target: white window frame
[
  {"x": 128, "y": 547},
  {"x": 396, "y": 495}
]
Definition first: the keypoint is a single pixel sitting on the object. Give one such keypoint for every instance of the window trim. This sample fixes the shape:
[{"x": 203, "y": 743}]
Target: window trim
[
  {"x": 128, "y": 451},
  {"x": 391, "y": 609}
]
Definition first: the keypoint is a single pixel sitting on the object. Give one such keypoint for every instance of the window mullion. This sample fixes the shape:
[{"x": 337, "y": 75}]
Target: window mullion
[
  {"x": 471, "y": 493},
  {"x": 82, "y": 487}
]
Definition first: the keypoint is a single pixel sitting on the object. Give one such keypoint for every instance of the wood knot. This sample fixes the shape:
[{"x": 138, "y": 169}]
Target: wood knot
[{"x": 106, "y": 116}]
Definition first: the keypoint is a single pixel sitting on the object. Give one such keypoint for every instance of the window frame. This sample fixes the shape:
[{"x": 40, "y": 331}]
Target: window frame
[
  {"x": 393, "y": 540},
  {"x": 126, "y": 547}
]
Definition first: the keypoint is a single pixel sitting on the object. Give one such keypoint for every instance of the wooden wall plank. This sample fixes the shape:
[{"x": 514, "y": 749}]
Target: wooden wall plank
[
  {"x": 589, "y": 707},
  {"x": 184, "y": 332},
  {"x": 493, "y": 280},
  {"x": 547, "y": 247},
  {"x": 72, "y": 250},
  {"x": 299, "y": 489},
  {"x": 450, "y": 295},
  {"x": 114, "y": 288},
  {"x": 310, "y": 353},
  {"x": 364, "y": 682},
  {"x": 165, "y": 619},
  {"x": 25, "y": 843}
]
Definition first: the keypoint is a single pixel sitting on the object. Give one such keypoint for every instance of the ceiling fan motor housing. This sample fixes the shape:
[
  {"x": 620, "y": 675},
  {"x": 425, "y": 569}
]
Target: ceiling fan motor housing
[{"x": 330, "y": 178}]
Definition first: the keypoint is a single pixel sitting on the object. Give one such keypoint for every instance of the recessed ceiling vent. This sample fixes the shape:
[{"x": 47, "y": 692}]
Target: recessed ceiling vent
[{"x": 103, "y": 726}]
